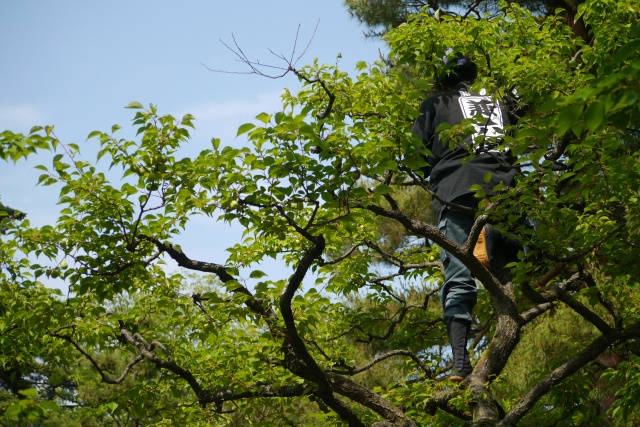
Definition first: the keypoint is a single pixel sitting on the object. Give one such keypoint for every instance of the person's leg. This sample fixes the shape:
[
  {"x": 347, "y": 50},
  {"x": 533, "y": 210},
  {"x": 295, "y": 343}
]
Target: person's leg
[
  {"x": 459, "y": 292},
  {"x": 458, "y": 330}
]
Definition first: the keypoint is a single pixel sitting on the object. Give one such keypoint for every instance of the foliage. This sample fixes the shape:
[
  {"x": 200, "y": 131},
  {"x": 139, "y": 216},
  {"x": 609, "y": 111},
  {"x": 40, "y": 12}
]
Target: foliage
[
  {"x": 380, "y": 16},
  {"x": 339, "y": 337}
]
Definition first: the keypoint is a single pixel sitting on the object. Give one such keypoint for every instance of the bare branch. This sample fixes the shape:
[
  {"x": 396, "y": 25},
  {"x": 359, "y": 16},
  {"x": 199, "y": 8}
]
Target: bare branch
[
  {"x": 390, "y": 329},
  {"x": 536, "y": 311},
  {"x": 103, "y": 375},
  {"x": 383, "y": 357},
  {"x": 341, "y": 258},
  {"x": 255, "y": 66},
  {"x": 584, "y": 311},
  {"x": 402, "y": 267}
]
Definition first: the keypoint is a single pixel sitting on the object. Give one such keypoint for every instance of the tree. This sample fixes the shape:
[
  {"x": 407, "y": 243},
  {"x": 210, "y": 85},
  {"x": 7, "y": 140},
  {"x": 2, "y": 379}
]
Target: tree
[
  {"x": 308, "y": 190},
  {"x": 383, "y": 15}
]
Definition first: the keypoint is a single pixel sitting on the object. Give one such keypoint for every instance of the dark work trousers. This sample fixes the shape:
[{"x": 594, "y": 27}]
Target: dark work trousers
[{"x": 459, "y": 293}]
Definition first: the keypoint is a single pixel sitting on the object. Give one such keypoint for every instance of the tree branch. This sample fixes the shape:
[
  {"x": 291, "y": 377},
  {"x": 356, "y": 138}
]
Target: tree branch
[
  {"x": 567, "y": 369},
  {"x": 419, "y": 228},
  {"x": 255, "y": 304},
  {"x": 383, "y": 357},
  {"x": 103, "y": 376},
  {"x": 297, "y": 358},
  {"x": 218, "y": 397},
  {"x": 255, "y": 68},
  {"x": 366, "y": 397},
  {"x": 584, "y": 311},
  {"x": 146, "y": 352}
]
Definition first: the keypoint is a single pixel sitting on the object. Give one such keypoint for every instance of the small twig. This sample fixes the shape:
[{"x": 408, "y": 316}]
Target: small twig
[
  {"x": 256, "y": 65},
  {"x": 340, "y": 258},
  {"x": 383, "y": 357}
]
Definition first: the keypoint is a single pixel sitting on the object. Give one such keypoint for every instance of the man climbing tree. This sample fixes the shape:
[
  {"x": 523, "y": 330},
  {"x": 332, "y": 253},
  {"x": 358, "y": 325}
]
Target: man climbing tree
[{"x": 456, "y": 163}]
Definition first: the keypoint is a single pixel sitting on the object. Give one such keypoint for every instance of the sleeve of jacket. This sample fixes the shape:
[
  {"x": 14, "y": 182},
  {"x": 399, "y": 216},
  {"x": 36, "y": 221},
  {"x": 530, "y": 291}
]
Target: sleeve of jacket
[{"x": 423, "y": 129}]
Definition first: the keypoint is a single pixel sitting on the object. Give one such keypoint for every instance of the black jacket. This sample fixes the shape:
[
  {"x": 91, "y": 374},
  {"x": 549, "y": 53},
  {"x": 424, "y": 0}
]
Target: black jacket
[{"x": 450, "y": 177}]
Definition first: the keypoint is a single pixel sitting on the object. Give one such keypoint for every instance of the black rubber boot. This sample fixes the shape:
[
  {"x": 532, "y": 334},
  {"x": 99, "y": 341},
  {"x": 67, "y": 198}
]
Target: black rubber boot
[{"x": 458, "y": 331}]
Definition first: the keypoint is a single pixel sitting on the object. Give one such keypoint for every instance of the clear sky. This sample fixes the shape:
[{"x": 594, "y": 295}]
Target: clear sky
[{"x": 76, "y": 64}]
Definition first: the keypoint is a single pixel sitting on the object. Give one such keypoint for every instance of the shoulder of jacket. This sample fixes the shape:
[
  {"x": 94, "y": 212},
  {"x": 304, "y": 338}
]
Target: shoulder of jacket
[{"x": 429, "y": 102}]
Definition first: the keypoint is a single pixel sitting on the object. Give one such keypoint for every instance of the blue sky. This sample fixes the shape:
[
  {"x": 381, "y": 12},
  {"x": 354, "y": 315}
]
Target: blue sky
[{"x": 76, "y": 64}]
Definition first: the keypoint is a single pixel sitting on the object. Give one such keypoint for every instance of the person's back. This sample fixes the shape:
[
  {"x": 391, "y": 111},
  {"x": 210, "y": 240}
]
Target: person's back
[{"x": 451, "y": 173}]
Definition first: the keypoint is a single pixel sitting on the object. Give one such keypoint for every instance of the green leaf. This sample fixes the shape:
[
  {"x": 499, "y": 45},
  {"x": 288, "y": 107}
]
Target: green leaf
[
  {"x": 50, "y": 406},
  {"x": 361, "y": 65},
  {"x": 94, "y": 134},
  {"x": 568, "y": 117},
  {"x": 245, "y": 128},
  {"x": 264, "y": 117},
  {"x": 135, "y": 105},
  {"x": 29, "y": 392},
  {"x": 594, "y": 116},
  {"x": 257, "y": 274},
  {"x": 626, "y": 50},
  {"x": 13, "y": 410}
]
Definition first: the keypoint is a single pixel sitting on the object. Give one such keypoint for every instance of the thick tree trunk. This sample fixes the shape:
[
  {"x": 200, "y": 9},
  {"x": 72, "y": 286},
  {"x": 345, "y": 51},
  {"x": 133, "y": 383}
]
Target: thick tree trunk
[{"x": 486, "y": 410}]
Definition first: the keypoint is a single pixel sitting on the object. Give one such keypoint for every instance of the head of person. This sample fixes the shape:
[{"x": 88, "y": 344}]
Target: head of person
[{"x": 456, "y": 68}]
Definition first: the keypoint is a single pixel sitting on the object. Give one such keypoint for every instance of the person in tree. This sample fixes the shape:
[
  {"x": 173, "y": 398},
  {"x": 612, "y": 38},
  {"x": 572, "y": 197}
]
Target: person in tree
[{"x": 456, "y": 163}]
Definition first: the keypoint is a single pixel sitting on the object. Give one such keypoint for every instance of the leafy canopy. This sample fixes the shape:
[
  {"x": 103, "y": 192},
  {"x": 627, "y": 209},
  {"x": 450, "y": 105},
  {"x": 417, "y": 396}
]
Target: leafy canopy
[{"x": 341, "y": 337}]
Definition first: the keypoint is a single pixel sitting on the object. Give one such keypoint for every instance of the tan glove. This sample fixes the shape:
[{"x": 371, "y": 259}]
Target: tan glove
[{"x": 480, "y": 250}]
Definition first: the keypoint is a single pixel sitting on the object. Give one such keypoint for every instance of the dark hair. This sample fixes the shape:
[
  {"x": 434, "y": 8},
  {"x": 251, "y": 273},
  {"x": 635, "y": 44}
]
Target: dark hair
[{"x": 457, "y": 68}]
